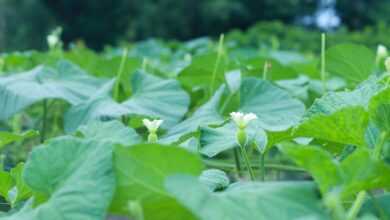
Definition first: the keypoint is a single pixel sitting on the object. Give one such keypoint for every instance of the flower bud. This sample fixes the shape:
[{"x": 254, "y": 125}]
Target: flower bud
[
  {"x": 381, "y": 52},
  {"x": 241, "y": 137},
  {"x": 135, "y": 210}
]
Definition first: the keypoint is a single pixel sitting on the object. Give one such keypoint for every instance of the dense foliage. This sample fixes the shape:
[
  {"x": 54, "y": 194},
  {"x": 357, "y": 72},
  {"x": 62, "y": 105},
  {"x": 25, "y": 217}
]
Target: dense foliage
[{"x": 194, "y": 130}]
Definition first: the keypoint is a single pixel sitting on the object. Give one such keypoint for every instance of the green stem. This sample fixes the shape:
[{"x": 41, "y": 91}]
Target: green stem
[
  {"x": 354, "y": 210},
  {"x": 216, "y": 66},
  {"x": 265, "y": 70},
  {"x": 119, "y": 74},
  {"x": 227, "y": 166},
  {"x": 262, "y": 166},
  {"x": 323, "y": 60},
  {"x": 44, "y": 121},
  {"x": 247, "y": 163},
  {"x": 237, "y": 161},
  {"x": 379, "y": 146}
]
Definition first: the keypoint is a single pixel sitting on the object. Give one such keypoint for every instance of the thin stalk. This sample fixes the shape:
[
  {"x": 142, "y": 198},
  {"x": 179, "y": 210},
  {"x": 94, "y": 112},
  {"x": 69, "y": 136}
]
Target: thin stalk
[
  {"x": 120, "y": 73},
  {"x": 231, "y": 166},
  {"x": 265, "y": 70},
  {"x": 44, "y": 121},
  {"x": 379, "y": 146},
  {"x": 144, "y": 64},
  {"x": 247, "y": 163},
  {"x": 237, "y": 161},
  {"x": 262, "y": 166},
  {"x": 323, "y": 62},
  {"x": 357, "y": 204},
  {"x": 217, "y": 62}
]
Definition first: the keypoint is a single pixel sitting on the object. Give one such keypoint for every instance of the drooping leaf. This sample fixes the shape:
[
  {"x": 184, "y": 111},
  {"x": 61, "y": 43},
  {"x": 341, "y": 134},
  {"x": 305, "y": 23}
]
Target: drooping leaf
[
  {"x": 66, "y": 82},
  {"x": 74, "y": 175},
  {"x": 141, "y": 171},
  {"x": 275, "y": 108},
  {"x": 152, "y": 97},
  {"x": 248, "y": 201},
  {"x": 214, "y": 179},
  {"x": 352, "y": 62},
  {"x": 207, "y": 114},
  {"x": 111, "y": 131}
]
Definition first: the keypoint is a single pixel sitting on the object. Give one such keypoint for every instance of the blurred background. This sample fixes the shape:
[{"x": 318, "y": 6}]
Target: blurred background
[{"x": 24, "y": 24}]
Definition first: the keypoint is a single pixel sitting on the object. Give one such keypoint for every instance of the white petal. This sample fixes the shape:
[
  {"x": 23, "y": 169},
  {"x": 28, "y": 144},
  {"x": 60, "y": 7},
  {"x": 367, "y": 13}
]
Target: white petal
[
  {"x": 147, "y": 123},
  {"x": 249, "y": 117}
]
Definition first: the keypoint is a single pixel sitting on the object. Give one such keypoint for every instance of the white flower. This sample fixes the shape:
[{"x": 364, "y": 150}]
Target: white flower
[
  {"x": 241, "y": 119},
  {"x": 152, "y": 126},
  {"x": 52, "y": 40},
  {"x": 381, "y": 52},
  {"x": 387, "y": 64}
]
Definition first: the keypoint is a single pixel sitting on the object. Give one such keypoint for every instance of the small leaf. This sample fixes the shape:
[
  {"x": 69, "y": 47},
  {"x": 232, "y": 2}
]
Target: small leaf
[{"x": 214, "y": 179}]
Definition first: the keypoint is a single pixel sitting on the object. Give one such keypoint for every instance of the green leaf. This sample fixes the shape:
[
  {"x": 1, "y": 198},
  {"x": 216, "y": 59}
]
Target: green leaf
[
  {"x": 332, "y": 116},
  {"x": 216, "y": 140},
  {"x": 275, "y": 108},
  {"x": 379, "y": 109},
  {"x": 141, "y": 171},
  {"x": 6, "y": 183},
  {"x": 349, "y": 61},
  {"x": 112, "y": 131},
  {"x": 359, "y": 171},
  {"x": 74, "y": 175},
  {"x": 206, "y": 114},
  {"x": 248, "y": 201},
  {"x": 157, "y": 98},
  {"x": 378, "y": 205},
  {"x": 152, "y": 97},
  {"x": 7, "y": 138},
  {"x": 66, "y": 82},
  {"x": 21, "y": 191}
]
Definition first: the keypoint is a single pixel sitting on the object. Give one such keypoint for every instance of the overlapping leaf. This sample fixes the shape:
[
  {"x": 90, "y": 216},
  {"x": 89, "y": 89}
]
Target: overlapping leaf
[{"x": 141, "y": 171}]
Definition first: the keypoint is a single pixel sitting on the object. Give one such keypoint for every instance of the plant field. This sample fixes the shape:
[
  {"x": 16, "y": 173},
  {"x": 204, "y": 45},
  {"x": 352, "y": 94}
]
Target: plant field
[{"x": 195, "y": 130}]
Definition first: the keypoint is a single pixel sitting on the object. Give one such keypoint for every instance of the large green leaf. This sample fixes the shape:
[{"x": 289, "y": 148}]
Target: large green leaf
[
  {"x": 152, "y": 97},
  {"x": 359, "y": 171},
  {"x": 275, "y": 108},
  {"x": 248, "y": 201},
  {"x": 66, "y": 82},
  {"x": 112, "y": 131},
  {"x": 352, "y": 62},
  {"x": 205, "y": 115},
  {"x": 74, "y": 175},
  {"x": 141, "y": 171},
  {"x": 157, "y": 98},
  {"x": 332, "y": 116},
  {"x": 7, "y": 137},
  {"x": 378, "y": 205},
  {"x": 216, "y": 140}
]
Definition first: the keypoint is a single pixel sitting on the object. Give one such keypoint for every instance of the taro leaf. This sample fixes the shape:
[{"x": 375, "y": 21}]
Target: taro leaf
[
  {"x": 216, "y": 140},
  {"x": 352, "y": 62},
  {"x": 7, "y": 138},
  {"x": 157, "y": 98},
  {"x": 152, "y": 96},
  {"x": 75, "y": 175},
  {"x": 274, "y": 107},
  {"x": 141, "y": 171},
  {"x": 112, "y": 131},
  {"x": 248, "y": 201},
  {"x": 66, "y": 82},
  {"x": 214, "y": 179},
  {"x": 332, "y": 116},
  {"x": 207, "y": 114},
  {"x": 359, "y": 171}
]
